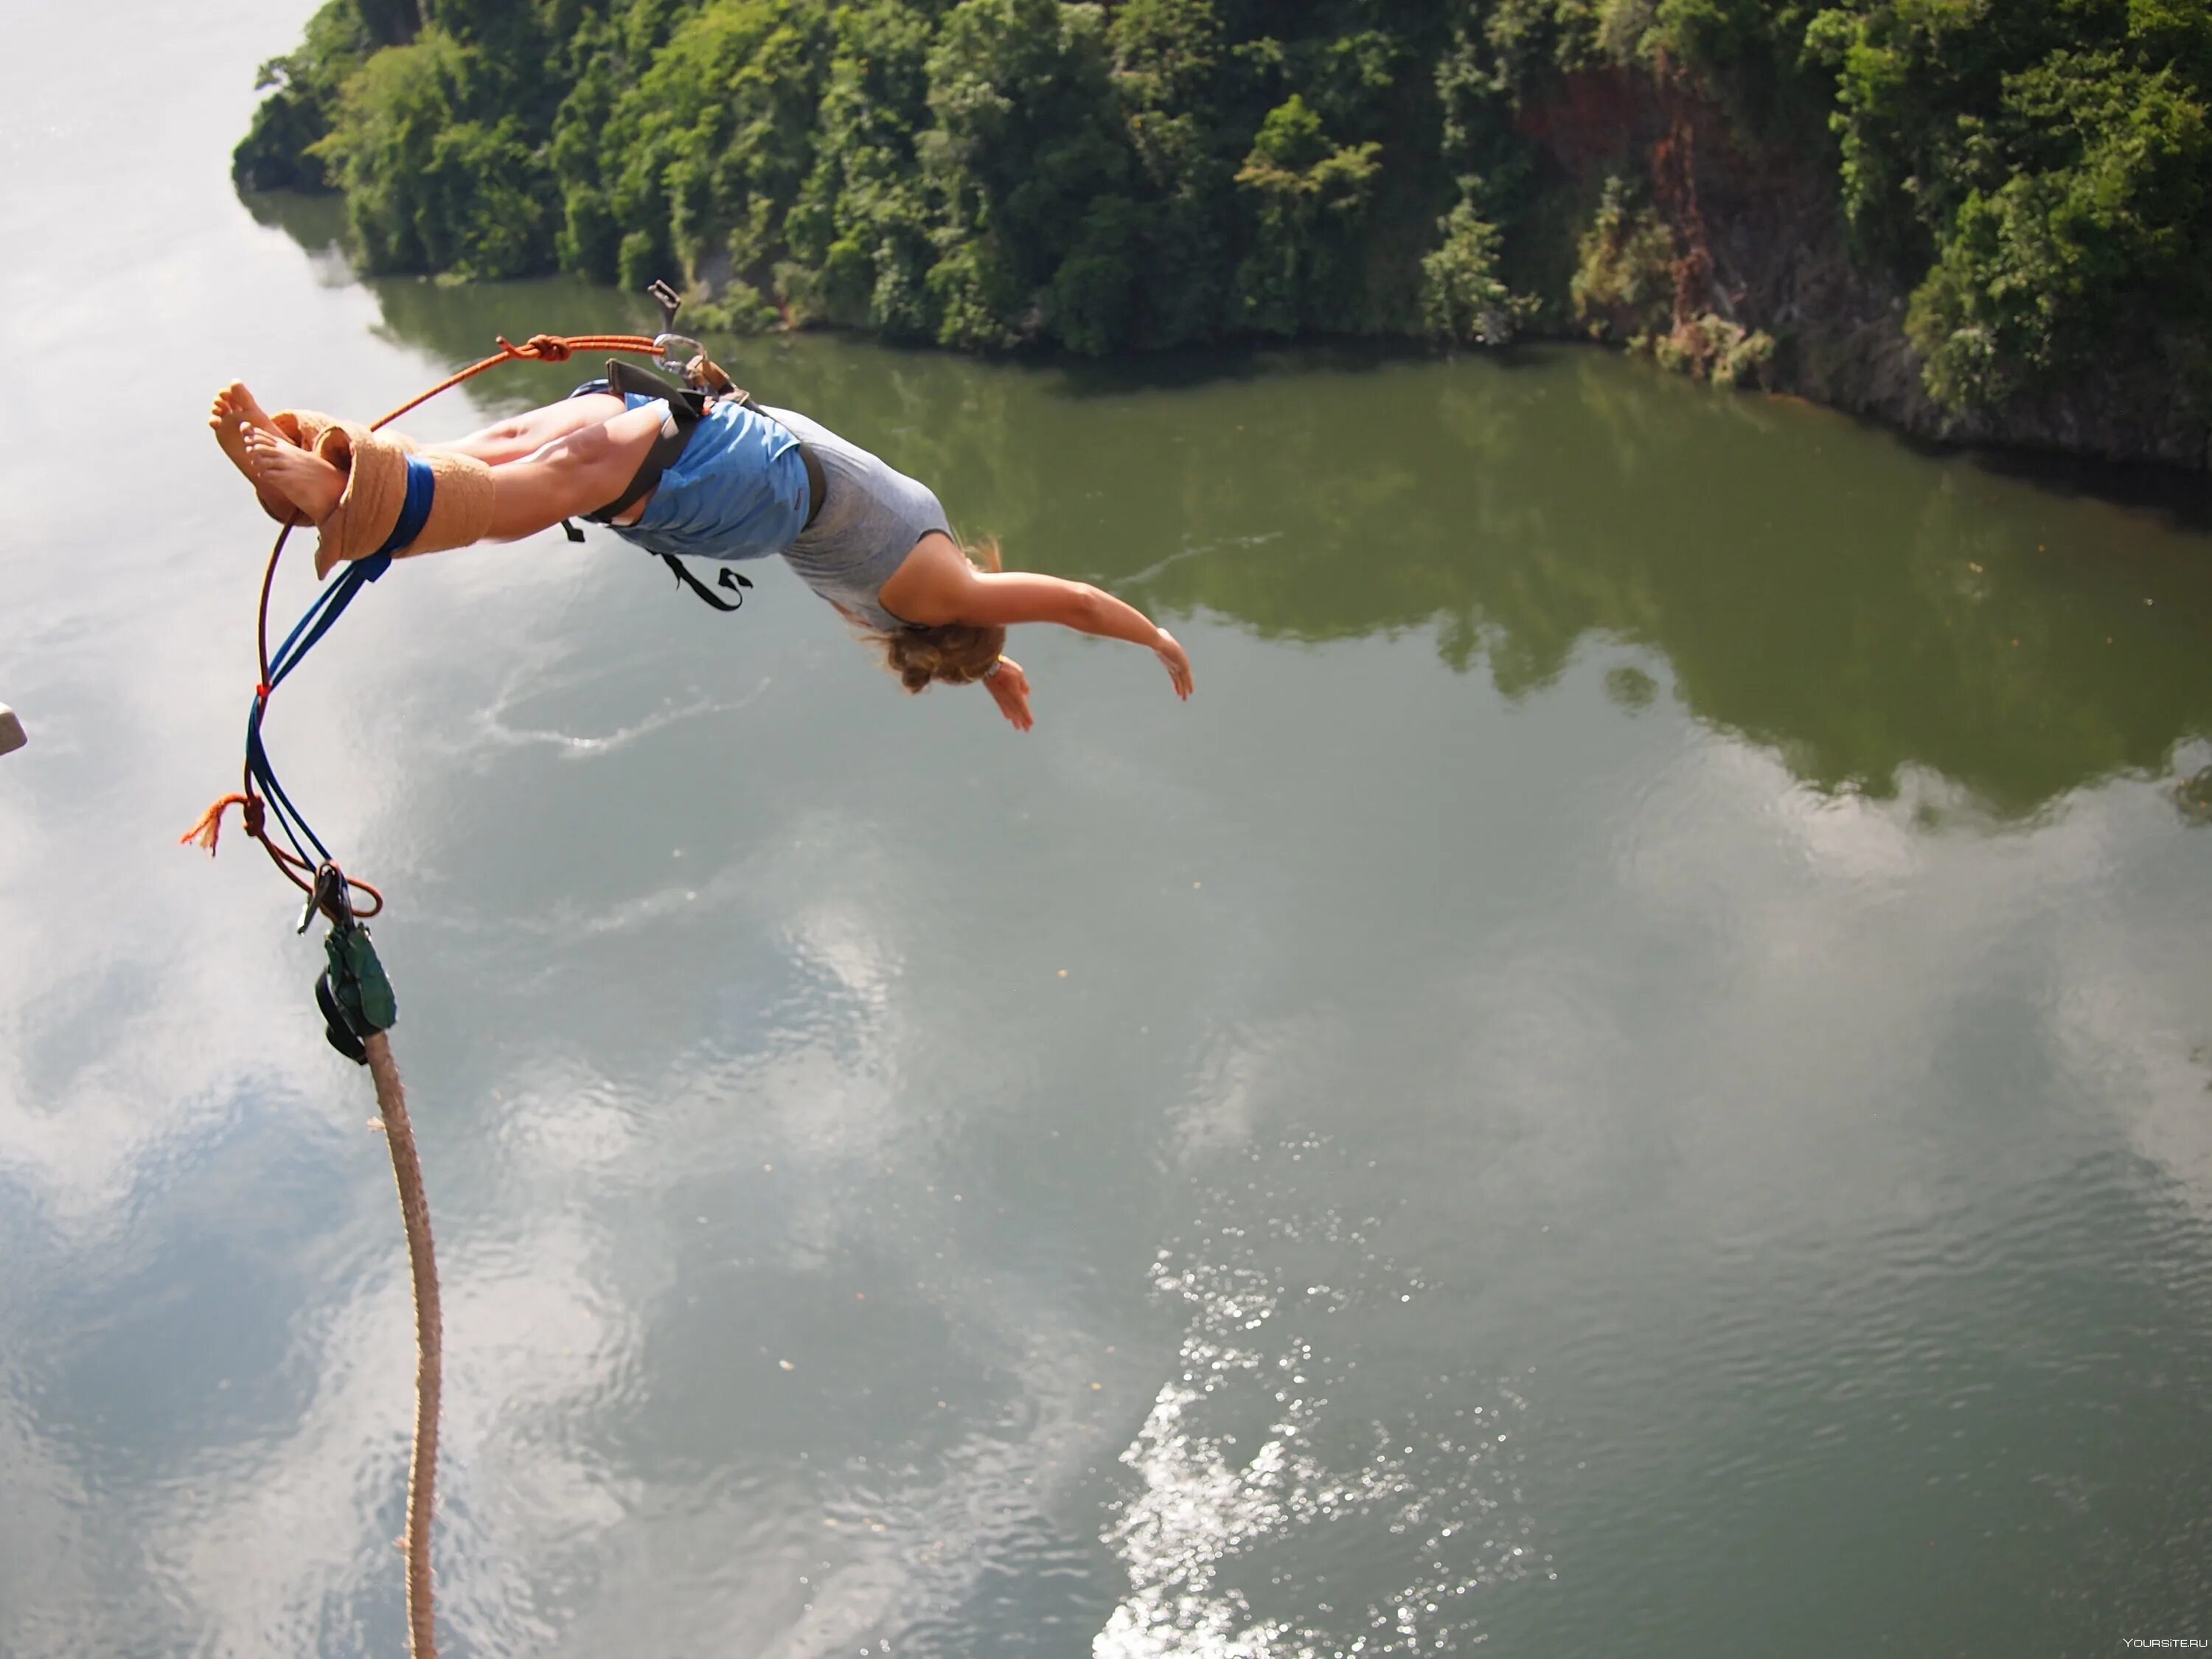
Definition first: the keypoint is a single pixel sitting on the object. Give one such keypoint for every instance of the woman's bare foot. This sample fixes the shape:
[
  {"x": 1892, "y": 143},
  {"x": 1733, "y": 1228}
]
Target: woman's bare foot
[
  {"x": 301, "y": 480},
  {"x": 234, "y": 411}
]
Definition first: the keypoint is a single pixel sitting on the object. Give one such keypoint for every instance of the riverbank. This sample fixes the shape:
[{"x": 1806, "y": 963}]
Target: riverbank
[
  {"x": 1976, "y": 226},
  {"x": 1861, "y": 366}
]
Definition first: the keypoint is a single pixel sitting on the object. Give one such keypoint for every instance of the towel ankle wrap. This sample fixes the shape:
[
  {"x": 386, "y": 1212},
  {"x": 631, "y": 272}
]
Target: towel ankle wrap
[{"x": 378, "y": 487}]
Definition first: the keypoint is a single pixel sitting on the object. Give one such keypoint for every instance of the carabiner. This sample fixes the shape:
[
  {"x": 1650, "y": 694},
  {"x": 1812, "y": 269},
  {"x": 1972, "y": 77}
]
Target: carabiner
[{"x": 676, "y": 351}]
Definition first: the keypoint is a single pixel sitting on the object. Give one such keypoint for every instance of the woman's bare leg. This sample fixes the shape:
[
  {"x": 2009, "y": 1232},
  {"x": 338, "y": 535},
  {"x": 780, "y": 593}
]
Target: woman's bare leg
[
  {"x": 235, "y": 410},
  {"x": 527, "y": 433},
  {"x": 576, "y": 473}
]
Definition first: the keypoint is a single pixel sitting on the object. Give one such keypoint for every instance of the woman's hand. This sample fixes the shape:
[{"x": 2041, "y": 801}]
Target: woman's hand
[
  {"x": 1009, "y": 689},
  {"x": 1177, "y": 663}
]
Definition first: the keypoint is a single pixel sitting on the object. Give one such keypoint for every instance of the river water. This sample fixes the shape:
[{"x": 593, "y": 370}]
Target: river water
[{"x": 1629, "y": 1075}]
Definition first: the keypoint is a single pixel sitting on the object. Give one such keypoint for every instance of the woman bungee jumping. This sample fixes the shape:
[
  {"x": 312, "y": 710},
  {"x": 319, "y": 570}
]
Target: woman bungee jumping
[{"x": 716, "y": 478}]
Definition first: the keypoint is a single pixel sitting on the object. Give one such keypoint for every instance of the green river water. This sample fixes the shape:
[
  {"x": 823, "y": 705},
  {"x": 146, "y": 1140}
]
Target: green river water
[{"x": 1632, "y": 1076}]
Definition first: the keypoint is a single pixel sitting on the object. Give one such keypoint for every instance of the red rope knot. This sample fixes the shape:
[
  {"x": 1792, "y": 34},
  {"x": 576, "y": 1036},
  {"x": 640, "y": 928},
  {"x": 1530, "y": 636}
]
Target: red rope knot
[{"x": 543, "y": 347}]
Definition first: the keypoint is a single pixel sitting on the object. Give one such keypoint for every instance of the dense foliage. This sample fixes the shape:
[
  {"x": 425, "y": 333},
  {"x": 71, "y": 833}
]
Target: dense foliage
[{"x": 1108, "y": 177}]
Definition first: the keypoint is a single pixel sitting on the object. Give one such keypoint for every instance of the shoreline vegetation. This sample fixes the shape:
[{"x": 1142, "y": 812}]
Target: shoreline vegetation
[{"x": 1988, "y": 221}]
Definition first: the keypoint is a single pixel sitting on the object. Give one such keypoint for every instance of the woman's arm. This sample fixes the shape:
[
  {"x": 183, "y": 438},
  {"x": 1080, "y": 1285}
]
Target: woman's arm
[
  {"x": 938, "y": 586},
  {"x": 1023, "y": 596}
]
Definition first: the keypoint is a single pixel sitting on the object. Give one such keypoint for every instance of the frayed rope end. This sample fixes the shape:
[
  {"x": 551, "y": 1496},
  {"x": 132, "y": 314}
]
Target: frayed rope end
[{"x": 209, "y": 830}]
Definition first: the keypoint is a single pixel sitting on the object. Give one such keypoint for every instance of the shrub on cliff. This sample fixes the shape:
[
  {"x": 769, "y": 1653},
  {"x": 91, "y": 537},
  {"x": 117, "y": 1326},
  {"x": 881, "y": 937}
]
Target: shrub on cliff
[
  {"x": 1464, "y": 295},
  {"x": 2045, "y": 269},
  {"x": 1624, "y": 284}
]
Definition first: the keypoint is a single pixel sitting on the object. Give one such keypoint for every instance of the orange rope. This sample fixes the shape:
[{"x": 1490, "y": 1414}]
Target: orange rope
[{"x": 537, "y": 348}]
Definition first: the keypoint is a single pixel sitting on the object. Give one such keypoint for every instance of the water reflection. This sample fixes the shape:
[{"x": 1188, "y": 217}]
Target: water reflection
[
  {"x": 1262, "y": 1450},
  {"x": 902, "y": 1187},
  {"x": 1813, "y": 584}
]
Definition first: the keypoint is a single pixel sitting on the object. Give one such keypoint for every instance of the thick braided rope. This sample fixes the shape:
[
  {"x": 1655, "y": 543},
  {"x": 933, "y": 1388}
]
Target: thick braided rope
[
  {"x": 390, "y": 1095},
  {"x": 430, "y": 1348}
]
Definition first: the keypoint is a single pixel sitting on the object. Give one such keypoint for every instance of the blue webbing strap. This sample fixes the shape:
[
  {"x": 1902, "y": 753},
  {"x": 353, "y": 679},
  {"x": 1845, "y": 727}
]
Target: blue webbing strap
[{"x": 328, "y": 607}]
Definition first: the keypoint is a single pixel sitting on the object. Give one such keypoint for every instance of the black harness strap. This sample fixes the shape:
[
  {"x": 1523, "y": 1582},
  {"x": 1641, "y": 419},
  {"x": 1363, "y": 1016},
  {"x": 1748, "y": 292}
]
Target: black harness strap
[
  {"x": 686, "y": 408},
  {"x": 729, "y": 579},
  {"x": 675, "y": 436}
]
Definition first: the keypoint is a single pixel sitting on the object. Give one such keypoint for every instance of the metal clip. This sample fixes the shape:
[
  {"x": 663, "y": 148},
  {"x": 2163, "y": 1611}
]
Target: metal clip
[
  {"x": 333, "y": 896},
  {"x": 677, "y": 352}
]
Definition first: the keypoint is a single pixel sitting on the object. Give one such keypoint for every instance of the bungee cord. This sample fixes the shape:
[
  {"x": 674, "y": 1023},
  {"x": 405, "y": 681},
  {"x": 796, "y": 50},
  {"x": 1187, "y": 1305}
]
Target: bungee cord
[{"x": 356, "y": 999}]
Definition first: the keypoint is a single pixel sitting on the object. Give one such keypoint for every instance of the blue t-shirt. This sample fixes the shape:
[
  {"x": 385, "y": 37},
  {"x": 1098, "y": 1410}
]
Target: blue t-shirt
[{"x": 737, "y": 491}]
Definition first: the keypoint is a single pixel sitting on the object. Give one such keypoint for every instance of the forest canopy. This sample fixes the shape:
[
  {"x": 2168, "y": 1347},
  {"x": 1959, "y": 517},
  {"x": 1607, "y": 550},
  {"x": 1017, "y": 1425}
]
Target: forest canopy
[{"x": 2036, "y": 175}]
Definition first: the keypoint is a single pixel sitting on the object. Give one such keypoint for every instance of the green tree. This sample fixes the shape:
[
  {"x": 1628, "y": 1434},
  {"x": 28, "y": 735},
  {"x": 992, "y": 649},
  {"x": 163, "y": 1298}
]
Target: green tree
[
  {"x": 277, "y": 152},
  {"x": 2044, "y": 168},
  {"x": 1024, "y": 147},
  {"x": 2037, "y": 175},
  {"x": 1463, "y": 297},
  {"x": 1174, "y": 79},
  {"x": 860, "y": 232},
  {"x": 714, "y": 140},
  {"x": 391, "y": 113},
  {"x": 2106, "y": 206},
  {"x": 1313, "y": 196}
]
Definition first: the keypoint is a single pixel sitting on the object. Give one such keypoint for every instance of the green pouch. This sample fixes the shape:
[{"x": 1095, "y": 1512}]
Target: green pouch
[{"x": 357, "y": 981}]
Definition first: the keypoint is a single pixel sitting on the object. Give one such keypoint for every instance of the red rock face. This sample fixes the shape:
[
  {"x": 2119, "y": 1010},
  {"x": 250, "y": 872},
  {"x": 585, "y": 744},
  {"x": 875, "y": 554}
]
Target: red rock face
[
  {"x": 1763, "y": 244},
  {"x": 1647, "y": 124},
  {"x": 1595, "y": 119},
  {"x": 1620, "y": 120}
]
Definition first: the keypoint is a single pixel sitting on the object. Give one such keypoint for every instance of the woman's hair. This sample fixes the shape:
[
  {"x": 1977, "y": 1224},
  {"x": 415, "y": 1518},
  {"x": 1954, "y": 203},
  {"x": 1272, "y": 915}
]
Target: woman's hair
[{"x": 956, "y": 653}]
